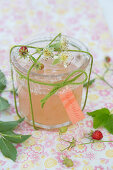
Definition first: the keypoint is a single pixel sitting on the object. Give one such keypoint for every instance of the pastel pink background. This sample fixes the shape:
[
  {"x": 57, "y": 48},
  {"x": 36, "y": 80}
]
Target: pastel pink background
[{"x": 83, "y": 20}]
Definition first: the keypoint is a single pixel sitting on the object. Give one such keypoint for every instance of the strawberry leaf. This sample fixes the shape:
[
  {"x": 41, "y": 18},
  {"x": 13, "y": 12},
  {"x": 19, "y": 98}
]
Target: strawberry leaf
[
  {"x": 7, "y": 126},
  {"x": 99, "y": 111},
  {"x": 4, "y": 104},
  {"x": 7, "y": 149},
  {"x": 102, "y": 118},
  {"x": 33, "y": 59},
  {"x": 109, "y": 124},
  {"x": 56, "y": 61},
  {"x": 15, "y": 138},
  {"x": 2, "y": 81},
  {"x": 99, "y": 117},
  {"x": 90, "y": 83},
  {"x": 7, "y": 137},
  {"x": 56, "y": 46}
]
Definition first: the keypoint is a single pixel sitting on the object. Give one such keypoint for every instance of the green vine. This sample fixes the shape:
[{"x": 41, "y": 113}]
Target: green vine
[{"x": 56, "y": 86}]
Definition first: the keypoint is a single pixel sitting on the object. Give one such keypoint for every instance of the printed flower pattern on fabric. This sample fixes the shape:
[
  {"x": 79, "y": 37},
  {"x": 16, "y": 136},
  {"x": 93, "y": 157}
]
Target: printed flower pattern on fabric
[
  {"x": 50, "y": 162},
  {"x": 99, "y": 168},
  {"x": 79, "y": 20},
  {"x": 80, "y": 148},
  {"x": 89, "y": 123},
  {"x": 98, "y": 146}
]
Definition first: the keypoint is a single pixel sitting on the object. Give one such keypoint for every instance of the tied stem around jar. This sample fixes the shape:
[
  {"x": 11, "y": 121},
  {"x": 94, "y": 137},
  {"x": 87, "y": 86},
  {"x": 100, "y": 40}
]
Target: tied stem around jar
[
  {"x": 89, "y": 73},
  {"x": 14, "y": 92},
  {"x": 29, "y": 91},
  {"x": 56, "y": 86},
  {"x": 28, "y": 82},
  {"x": 12, "y": 76},
  {"x": 65, "y": 83}
]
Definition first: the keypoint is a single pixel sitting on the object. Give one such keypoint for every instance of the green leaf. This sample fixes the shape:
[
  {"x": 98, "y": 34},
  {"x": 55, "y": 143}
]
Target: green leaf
[
  {"x": 90, "y": 83},
  {"x": 7, "y": 126},
  {"x": 63, "y": 129},
  {"x": 35, "y": 60},
  {"x": 56, "y": 61},
  {"x": 15, "y": 138},
  {"x": 4, "y": 104},
  {"x": 109, "y": 124},
  {"x": 56, "y": 46},
  {"x": 7, "y": 137},
  {"x": 100, "y": 120},
  {"x": 7, "y": 149},
  {"x": 2, "y": 81},
  {"x": 103, "y": 110},
  {"x": 99, "y": 117}
]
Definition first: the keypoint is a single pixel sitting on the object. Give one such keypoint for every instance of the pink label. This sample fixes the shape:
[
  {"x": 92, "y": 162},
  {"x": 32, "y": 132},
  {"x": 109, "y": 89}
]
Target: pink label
[{"x": 71, "y": 105}]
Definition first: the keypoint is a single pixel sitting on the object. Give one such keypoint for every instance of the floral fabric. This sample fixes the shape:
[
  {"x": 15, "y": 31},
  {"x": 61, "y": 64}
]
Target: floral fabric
[{"x": 83, "y": 20}]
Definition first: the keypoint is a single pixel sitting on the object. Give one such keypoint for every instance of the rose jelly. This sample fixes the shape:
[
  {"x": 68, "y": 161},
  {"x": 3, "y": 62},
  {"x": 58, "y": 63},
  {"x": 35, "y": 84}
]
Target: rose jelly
[{"x": 53, "y": 114}]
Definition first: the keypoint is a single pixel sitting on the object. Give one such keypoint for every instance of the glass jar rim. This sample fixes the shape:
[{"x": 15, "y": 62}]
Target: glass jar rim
[{"x": 78, "y": 44}]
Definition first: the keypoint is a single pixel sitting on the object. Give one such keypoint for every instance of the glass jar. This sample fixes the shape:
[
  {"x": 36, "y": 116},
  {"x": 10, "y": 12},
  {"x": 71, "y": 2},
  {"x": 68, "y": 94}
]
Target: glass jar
[{"x": 53, "y": 114}]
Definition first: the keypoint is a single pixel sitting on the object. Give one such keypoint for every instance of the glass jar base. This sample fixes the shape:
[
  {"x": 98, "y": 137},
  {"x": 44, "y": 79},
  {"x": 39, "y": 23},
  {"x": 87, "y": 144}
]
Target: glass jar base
[{"x": 48, "y": 127}]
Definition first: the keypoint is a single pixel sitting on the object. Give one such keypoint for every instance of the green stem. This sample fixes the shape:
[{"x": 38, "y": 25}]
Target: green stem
[
  {"x": 64, "y": 139},
  {"x": 34, "y": 81},
  {"x": 30, "y": 56},
  {"x": 54, "y": 39},
  {"x": 56, "y": 86},
  {"x": 95, "y": 142},
  {"x": 107, "y": 69},
  {"x": 12, "y": 77},
  {"x": 29, "y": 91},
  {"x": 30, "y": 99},
  {"x": 89, "y": 74},
  {"x": 14, "y": 89},
  {"x": 28, "y": 82},
  {"x": 39, "y": 56},
  {"x": 103, "y": 79},
  {"x": 65, "y": 149},
  {"x": 51, "y": 84},
  {"x": 64, "y": 83},
  {"x": 107, "y": 83},
  {"x": 29, "y": 46}
]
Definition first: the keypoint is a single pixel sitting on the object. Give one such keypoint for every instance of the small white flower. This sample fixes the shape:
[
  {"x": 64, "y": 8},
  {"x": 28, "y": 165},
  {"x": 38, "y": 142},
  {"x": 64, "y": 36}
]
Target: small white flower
[
  {"x": 64, "y": 43},
  {"x": 48, "y": 52},
  {"x": 63, "y": 56}
]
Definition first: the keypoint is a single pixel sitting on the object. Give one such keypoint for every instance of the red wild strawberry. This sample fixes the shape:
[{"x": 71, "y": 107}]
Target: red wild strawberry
[
  {"x": 107, "y": 59},
  {"x": 97, "y": 135},
  {"x": 23, "y": 51}
]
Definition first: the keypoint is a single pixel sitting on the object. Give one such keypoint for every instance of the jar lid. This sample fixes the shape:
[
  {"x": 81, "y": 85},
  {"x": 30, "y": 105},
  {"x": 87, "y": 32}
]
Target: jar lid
[{"x": 77, "y": 60}]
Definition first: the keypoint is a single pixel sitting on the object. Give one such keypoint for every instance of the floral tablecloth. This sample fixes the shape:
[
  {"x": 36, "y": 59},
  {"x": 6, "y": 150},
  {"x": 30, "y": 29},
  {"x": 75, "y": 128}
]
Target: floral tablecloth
[{"x": 83, "y": 20}]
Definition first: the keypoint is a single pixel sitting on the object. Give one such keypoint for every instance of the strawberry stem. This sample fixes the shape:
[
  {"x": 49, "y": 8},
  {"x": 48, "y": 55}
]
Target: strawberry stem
[
  {"x": 95, "y": 142},
  {"x": 67, "y": 148},
  {"x": 64, "y": 140},
  {"x": 103, "y": 79}
]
